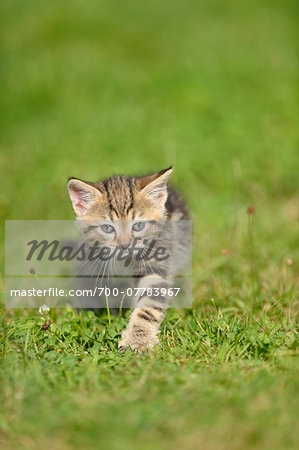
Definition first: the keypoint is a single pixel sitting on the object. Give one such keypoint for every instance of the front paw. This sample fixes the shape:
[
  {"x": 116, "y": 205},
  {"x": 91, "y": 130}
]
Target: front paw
[{"x": 137, "y": 343}]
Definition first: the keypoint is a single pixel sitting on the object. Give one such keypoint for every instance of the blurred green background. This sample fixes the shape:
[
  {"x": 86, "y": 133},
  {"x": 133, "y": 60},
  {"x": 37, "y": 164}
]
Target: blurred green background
[{"x": 92, "y": 88}]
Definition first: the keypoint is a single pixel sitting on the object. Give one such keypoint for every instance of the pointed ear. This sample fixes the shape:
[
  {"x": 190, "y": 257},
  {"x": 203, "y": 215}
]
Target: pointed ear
[
  {"x": 83, "y": 195},
  {"x": 155, "y": 186}
]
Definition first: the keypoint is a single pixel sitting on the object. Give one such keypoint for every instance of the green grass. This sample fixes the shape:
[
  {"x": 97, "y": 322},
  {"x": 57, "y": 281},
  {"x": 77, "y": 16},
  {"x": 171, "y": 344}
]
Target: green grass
[{"x": 93, "y": 88}]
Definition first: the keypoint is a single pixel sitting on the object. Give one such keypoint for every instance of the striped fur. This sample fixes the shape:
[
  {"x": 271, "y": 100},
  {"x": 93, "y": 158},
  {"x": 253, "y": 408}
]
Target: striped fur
[{"x": 122, "y": 198}]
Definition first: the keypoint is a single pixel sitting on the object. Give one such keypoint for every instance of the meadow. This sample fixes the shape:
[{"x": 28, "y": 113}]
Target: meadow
[{"x": 93, "y": 88}]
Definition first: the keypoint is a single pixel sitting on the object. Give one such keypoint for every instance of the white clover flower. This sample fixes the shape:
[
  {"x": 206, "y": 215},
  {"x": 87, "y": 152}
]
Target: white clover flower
[{"x": 44, "y": 309}]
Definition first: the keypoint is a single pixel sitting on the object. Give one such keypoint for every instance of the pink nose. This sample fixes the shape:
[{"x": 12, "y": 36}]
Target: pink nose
[{"x": 124, "y": 245}]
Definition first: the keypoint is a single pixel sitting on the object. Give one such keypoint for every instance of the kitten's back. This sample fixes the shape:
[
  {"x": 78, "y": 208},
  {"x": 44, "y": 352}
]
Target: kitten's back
[{"x": 175, "y": 205}]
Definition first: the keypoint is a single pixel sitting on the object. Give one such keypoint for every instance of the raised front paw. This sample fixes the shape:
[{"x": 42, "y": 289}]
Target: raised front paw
[{"x": 137, "y": 342}]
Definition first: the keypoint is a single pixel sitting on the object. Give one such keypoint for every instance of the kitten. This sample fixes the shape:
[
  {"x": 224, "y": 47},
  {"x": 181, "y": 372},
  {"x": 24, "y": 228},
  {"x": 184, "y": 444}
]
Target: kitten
[{"x": 146, "y": 205}]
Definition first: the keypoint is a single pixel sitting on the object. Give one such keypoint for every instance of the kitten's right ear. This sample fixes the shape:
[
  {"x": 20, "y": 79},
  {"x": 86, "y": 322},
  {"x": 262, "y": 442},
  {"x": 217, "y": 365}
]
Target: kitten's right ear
[{"x": 83, "y": 195}]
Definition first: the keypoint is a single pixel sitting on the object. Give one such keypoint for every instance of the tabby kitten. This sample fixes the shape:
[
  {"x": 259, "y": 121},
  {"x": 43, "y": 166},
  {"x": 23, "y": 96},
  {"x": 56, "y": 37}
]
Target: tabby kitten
[{"x": 146, "y": 204}]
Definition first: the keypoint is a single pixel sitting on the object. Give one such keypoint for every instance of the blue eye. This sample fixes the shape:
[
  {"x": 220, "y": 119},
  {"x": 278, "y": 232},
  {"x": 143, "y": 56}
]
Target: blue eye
[
  {"x": 107, "y": 228},
  {"x": 138, "y": 226}
]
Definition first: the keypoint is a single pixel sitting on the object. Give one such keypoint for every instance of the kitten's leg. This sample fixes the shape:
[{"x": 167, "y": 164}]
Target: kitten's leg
[{"x": 143, "y": 327}]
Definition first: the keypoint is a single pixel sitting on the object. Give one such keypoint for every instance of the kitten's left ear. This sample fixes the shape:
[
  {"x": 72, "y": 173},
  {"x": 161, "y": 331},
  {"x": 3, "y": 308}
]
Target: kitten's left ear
[{"x": 155, "y": 186}]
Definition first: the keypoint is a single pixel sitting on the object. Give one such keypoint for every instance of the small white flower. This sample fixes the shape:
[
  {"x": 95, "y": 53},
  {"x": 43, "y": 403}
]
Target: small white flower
[{"x": 44, "y": 309}]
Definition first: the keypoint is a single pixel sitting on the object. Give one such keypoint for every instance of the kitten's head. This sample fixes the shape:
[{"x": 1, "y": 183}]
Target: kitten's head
[{"x": 120, "y": 207}]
